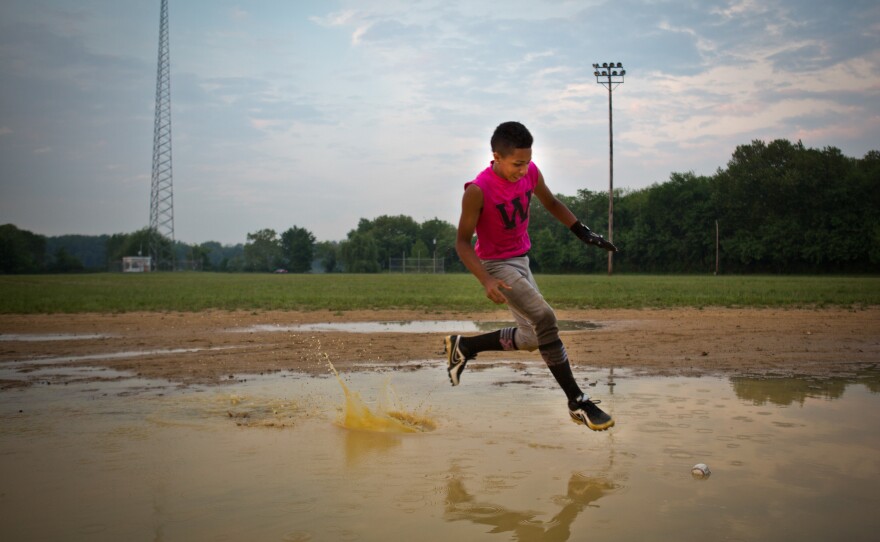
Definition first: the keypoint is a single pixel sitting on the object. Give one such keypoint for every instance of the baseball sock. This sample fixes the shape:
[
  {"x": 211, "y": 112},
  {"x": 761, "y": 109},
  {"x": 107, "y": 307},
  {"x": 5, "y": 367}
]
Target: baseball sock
[
  {"x": 503, "y": 339},
  {"x": 556, "y": 358}
]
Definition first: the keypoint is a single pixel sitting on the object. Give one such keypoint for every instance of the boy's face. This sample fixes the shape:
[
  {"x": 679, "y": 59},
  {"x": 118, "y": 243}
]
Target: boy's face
[{"x": 513, "y": 166}]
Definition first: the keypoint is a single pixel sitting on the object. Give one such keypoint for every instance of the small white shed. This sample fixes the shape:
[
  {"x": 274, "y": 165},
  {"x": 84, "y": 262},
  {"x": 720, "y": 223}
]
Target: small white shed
[{"x": 137, "y": 264}]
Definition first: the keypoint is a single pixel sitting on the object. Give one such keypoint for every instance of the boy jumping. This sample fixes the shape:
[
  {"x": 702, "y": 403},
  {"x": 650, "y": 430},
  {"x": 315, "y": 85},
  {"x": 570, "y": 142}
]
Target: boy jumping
[{"x": 496, "y": 206}]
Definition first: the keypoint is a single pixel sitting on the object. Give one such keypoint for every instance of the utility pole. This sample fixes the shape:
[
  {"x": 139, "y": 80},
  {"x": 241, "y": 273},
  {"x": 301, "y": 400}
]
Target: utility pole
[
  {"x": 162, "y": 191},
  {"x": 610, "y": 75},
  {"x": 717, "y": 249}
]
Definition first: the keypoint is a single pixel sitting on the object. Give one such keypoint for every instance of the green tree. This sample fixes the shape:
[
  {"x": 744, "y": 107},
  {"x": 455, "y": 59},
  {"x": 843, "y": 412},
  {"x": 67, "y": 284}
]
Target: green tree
[
  {"x": 439, "y": 236},
  {"x": 678, "y": 225},
  {"x": 234, "y": 263},
  {"x": 328, "y": 253},
  {"x": 262, "y": 252},
  {"x": 867, "y": 175},
  {"x": 213, "y": 254},
  {"x": 136, "y": 243},
  {"x": 298, "y": 249},
  {"x": 786, "y": 208},
  {"x": 223, "y": 257},
  {"x": 547, "y": 252},
  {"x": 393, "y": 236},
  {"x": 634, "y": 232},
  {"x": 200, "y": 256},
  {"x": 64, "y": 262},
  {"x": 419, "y": 250},
  {"x": 554, "y": 248},
  {"x": 21, "y": 251},
  {"x": 90, "y": 250},
  {"x": 360, "y": 253}
]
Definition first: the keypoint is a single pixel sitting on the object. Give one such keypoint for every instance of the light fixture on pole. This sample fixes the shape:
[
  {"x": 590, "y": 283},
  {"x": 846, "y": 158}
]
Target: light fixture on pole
[{"x": 610, "y": 75}]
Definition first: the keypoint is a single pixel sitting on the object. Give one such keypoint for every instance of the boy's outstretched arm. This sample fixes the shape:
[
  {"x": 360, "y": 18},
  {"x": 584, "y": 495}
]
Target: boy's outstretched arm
[
  {"x": 552, "y": 204},
  {"x": 471, "y": 205},
  {"x": 564, "y": 215}
]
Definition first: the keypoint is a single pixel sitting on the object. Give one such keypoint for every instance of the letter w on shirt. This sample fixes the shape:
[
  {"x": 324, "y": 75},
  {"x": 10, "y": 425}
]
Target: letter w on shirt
[{"x": 519, "y": 210}]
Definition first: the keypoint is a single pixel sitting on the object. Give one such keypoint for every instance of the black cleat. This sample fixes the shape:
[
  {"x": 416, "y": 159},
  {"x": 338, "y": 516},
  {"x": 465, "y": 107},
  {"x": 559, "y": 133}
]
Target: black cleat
[
  {"x": 455, "y": 359},
  {"x": 585, "y": 412}
]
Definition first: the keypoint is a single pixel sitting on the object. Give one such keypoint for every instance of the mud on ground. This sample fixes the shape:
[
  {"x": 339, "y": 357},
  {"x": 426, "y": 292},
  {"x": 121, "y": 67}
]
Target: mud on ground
[{"x": 200, "y": 347}]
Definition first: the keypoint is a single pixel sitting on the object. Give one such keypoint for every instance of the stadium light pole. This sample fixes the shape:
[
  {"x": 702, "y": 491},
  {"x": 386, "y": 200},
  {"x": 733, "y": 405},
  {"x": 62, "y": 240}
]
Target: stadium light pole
[{"x": 610, "y": 75}]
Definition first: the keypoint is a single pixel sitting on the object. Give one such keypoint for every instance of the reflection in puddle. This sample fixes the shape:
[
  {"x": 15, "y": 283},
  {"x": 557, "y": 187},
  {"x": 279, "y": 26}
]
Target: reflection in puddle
[
  {"x": 407, "y": 326},
  {"x": 581, "y": 492},
  {"x": 788, "y": 390},
  {"x": 266, "y": 459}
]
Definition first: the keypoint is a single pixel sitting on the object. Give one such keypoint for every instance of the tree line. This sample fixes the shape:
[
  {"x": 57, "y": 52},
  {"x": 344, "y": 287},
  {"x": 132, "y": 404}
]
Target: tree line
[
  {"x": 777, "y": 207},
  {"x": 780, "y": 208}
]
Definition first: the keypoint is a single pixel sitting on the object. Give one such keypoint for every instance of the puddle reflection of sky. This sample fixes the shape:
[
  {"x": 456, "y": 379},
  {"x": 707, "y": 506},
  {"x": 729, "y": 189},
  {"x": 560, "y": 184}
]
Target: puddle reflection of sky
[{"x": 57, "y": 360}]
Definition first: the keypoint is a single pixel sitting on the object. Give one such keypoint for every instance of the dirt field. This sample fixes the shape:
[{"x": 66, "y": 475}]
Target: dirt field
[{"x": 201, "y": 348}]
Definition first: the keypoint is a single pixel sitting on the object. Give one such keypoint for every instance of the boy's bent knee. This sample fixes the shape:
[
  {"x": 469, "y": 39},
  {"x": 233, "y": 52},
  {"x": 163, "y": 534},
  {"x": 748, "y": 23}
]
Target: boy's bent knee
[{"x": 546, "y": 326}]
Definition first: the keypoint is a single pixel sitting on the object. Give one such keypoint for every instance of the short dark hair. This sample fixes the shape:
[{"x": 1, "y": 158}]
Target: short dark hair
[{"x": 510, "y": 136}]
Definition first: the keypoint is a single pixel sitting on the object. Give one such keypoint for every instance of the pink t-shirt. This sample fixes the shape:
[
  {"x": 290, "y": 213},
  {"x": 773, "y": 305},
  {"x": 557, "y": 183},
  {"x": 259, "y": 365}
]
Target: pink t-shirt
[{"x": 503, "y": 226}]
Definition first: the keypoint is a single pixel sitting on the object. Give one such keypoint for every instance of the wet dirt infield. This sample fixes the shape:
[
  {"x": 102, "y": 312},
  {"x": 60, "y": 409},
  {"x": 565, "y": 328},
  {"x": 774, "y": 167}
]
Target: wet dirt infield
[{"x": 219, "y": 346}]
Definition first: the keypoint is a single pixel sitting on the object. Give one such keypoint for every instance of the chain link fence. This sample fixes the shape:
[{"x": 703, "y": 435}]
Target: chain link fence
[{"x": 416, "y": 265}]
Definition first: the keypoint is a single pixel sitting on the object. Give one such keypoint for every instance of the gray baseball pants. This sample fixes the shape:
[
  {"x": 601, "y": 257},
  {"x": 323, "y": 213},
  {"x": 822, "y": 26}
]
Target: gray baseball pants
[{"x": 535, "y": 320}]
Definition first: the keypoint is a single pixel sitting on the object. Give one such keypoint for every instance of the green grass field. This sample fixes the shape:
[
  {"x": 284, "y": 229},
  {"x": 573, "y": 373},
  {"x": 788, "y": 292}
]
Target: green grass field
[{"x": 106, "y": 292}]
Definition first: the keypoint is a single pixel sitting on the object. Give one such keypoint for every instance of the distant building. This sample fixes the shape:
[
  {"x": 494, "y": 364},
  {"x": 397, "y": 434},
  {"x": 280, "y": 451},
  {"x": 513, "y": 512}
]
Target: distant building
[{"x": 137, "y": 264}]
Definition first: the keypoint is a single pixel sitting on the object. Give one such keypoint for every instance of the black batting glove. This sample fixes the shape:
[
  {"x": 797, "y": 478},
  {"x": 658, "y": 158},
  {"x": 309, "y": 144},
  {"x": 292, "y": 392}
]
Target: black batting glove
[{"x": 586, "y": 235}]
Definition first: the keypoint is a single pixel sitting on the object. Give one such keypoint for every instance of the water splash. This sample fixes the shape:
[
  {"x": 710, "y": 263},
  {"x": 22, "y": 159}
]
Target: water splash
[{"x": 389, "y": 415}]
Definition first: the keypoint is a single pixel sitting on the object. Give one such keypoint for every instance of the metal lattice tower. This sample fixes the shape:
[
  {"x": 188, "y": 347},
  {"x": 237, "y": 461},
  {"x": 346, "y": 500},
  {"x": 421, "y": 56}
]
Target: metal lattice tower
[{"x": 162, "y": 190}]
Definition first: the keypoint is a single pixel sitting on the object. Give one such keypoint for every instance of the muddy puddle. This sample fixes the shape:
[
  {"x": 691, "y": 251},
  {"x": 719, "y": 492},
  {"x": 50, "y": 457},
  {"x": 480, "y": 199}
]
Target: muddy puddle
[
  {"x": 9, "y": 367},
  {"x": 387, "y": 455},
  {"x": 408, "y": 326},
  {"x": 43, "y": 337}
]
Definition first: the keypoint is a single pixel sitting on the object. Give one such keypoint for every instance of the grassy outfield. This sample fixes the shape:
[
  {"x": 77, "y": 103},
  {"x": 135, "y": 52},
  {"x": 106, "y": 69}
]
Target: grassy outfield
[{"x": 106, "y": 292}]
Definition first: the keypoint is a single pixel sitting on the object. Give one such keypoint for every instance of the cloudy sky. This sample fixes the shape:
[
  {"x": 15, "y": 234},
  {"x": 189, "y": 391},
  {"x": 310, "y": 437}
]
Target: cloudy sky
[{"x": 318, "y": 113}]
